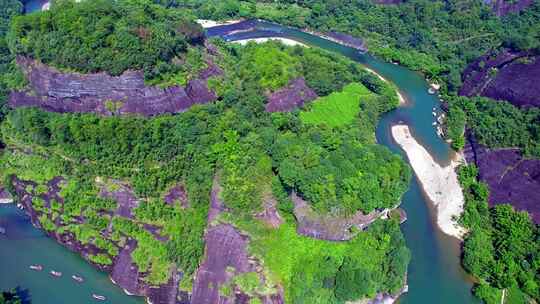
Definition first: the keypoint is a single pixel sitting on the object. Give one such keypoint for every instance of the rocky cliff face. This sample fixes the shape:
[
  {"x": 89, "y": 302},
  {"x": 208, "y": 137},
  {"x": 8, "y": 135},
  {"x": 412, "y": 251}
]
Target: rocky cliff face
[
  {"x": 123, "y": 270},
  {"x": 226, "y": 258},
  {"x": 293, "y": 96},
  {"x": 505, "y": 75},
  {"x": 100, "y": 93},
  {"x": 511, "y": 178},
  {"x": 327, "y": 227},
  {"x": 504, "y": 7}
]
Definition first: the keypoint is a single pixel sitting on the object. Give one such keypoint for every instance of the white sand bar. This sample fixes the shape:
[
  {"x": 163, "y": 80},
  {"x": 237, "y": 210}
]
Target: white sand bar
[
  {"x": 402, "y": 100},
  {"x": 440, "y": 183},
  {"x": 211, "y": 23},
  {"x": 285, "y": 41}
]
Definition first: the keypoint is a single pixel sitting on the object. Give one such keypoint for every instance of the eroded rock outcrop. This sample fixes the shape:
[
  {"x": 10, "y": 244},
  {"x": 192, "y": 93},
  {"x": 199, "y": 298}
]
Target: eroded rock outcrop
[
  {"x": 504, "y": 7},
  {"x": 511, "y": 178},
  {"x": 103, "y": 94},
  {"x": 226, "y": 257},
  {"x": 123, "y": 270},
  {"x": 505, "y": 75},
  {"x": 328, "y": 227},
  {"x": 293, "y": 96}
]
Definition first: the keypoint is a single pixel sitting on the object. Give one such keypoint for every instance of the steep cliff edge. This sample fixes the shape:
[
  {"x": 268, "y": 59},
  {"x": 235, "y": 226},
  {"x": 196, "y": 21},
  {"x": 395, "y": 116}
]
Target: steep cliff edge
[
  {"x": 510, "y": 176},
  {"x": 505, "y": 75},
  {"x": 47, "y": 210},
  {"x": 103, "y": 94}
]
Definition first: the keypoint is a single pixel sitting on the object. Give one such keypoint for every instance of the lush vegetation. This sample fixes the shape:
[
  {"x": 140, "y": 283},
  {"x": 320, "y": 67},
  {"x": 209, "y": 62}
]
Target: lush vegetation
[
  {"x": 337, "y": 109},
  {"x": 496, "y": 124},
  {"x": 10, "y": 297},
  {"x": 437, "y": 37},
  {"x": 253, "y": 154},
  {"x": 502, "y": 248},
  {"x": 107, "y": 36},
  {"x": 315, "y": 271},
  {"x": 8, "y": 10}
]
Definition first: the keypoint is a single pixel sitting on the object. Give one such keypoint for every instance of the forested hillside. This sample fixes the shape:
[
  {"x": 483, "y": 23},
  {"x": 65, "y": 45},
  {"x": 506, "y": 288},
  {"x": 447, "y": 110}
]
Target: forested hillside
[
  {"x": 145, "y": 190},
  {"x": 436, "y": 37}
]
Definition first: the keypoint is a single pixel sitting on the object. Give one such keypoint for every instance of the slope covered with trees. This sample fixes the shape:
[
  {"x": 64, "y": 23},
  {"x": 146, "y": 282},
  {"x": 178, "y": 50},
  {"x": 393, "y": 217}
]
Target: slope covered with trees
[
  {"x": 502, "y": 248},
  {"x": 104, "y": 182}
]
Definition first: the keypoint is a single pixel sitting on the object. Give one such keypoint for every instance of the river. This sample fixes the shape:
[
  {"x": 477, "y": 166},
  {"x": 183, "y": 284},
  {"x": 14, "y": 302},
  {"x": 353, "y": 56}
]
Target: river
[{"x": 435, "y": 274}]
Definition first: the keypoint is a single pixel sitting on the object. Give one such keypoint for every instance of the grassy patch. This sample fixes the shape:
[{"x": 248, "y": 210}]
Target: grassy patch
[{"x": 338, "y": 108}]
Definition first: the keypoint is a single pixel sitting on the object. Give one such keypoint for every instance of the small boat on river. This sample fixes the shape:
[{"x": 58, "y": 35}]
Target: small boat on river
[
  {"x": 56, "y": 273},
  {"x": 98, "y": 297},
  {"x": 36, "y": 267},
  {"x": 77, "y": 278}
]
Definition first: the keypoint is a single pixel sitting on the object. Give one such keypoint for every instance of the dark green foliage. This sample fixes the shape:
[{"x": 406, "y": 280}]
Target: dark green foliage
[
  {"x": 10, "y": 297},
  {"x": 108, "y": 36},
  {"x": 340, "y": 170},
  {"x": 502, "y": 248},
  {"x": 496, "y": 124},
  {"x": 437, "y": 37}
]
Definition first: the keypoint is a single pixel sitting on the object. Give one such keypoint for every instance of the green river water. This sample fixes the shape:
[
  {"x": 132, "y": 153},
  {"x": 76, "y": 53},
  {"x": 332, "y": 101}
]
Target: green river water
[{"x": 435, "y": 275}]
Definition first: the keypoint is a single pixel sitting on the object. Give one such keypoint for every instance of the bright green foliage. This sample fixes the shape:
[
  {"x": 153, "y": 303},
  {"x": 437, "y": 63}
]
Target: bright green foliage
[
  {"x": 315, "y": 271},
  {"x": 271, "y": 66},
  {"x": 108, "y": 36},
  {"x": 100, "y": 259},
  {"x": 502, "y": 248},
  {"x": 337, "y": 109},
  {"x": 252, "y": 154}
]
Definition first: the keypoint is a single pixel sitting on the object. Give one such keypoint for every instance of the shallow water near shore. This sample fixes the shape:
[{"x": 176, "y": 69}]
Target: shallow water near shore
[
  {"x": 435, "y": 274},
  {"x": 24, "y": 245}
]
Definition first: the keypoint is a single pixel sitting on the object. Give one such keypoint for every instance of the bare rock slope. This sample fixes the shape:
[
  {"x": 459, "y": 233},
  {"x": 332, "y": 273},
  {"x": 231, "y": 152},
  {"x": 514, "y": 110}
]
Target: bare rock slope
[{"x": 103, "y": 94}]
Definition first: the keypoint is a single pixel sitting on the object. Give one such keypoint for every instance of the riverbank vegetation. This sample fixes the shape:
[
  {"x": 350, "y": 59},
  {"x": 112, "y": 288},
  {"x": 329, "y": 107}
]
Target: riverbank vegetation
[
  {"x": 338, "y": 168},
  {"x": 496, "y": 124},
  {"x": 435, "y": 37},
  {"x": 502, "y": 248},
  {"x": 108, "y": 37}
]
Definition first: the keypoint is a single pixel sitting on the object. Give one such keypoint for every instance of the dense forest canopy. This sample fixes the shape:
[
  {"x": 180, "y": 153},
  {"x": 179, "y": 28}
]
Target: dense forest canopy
[
  {"x": 110, "y": 36},
  {"x": 436, "y": 37},
  {"x": 253, "y": 153}
]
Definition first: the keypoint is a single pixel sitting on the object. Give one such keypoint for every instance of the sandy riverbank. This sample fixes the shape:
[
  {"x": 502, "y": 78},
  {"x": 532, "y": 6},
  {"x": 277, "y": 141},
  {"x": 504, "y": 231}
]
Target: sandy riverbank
[
  {"x": 402, "y": 100},
  {"x": 439, "y": 183},
  {"x": 211, "y": 23},
  {"x": 285, "y": 41}
]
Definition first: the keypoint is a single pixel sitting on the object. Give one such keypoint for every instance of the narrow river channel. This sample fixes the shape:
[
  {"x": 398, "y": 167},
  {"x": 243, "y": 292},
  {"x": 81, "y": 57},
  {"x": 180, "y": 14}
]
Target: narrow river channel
[{"x": 435, "y": 275}]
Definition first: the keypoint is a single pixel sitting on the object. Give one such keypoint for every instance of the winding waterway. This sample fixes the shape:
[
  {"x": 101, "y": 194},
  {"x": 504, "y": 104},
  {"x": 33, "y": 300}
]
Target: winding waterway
[{"x": 435, "y": 275}]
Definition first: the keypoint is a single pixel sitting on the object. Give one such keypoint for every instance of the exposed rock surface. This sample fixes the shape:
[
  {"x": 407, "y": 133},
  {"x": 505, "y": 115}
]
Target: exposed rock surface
[
  {"x": 177, "y": 195},
  {"x": 123, "y": 270},
  {"x": 511, "y": 178},
  {"x": 270, "y": 214},
  {"x": 387, "y": 2},
  {"x": 123, "y": 195},
  {"x": 100, "y": 93},
  {"x": 293, "y": 96},
  {"x": 226, "y": 256},
  {"x": 328, "y": 227},
  {"x": 505, "y": 75},
  {"x": 5, "y": 197},
  {"x": 504, "y": 7}
]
